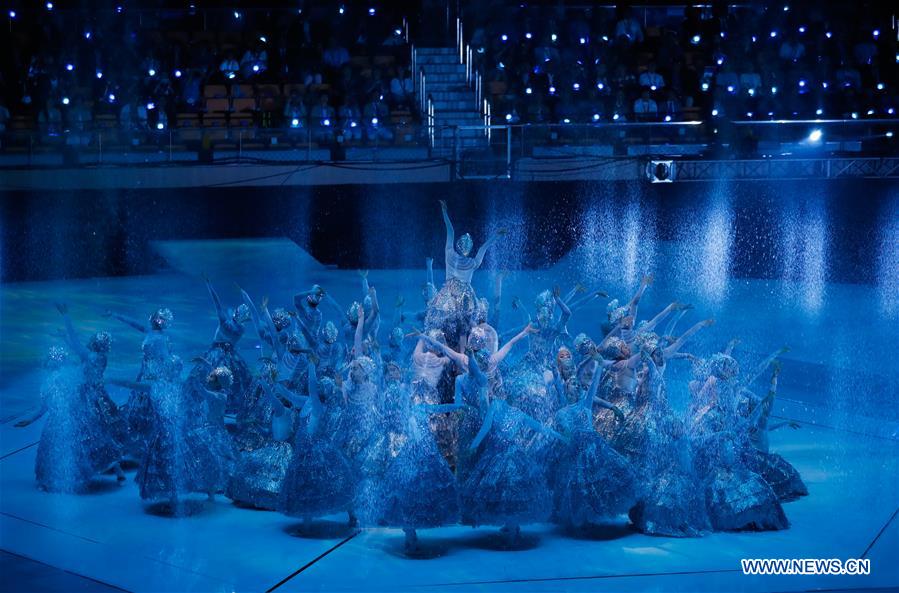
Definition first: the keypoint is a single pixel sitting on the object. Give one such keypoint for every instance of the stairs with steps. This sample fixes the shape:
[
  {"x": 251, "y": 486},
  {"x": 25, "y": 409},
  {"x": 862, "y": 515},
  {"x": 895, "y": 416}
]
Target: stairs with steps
[{"x": 455, "y": 103}]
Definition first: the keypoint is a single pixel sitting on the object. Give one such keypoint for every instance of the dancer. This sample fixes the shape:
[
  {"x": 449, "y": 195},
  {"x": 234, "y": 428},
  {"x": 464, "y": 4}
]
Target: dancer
[
  {"x": 82, "y": 437},
  {"x": 452, "y": 310},
  {"x": 419, "y": 490},
  {"x": 156, "y": 363},
  {"x": 223, "y": 352},
  {"x": 592, "y": 481},
  {"x": 319, "y": 479}
]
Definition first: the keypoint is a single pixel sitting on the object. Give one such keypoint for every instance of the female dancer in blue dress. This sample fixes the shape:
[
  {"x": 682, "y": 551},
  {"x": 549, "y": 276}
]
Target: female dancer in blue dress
[
  {"x": 319, "y": 479},
  {"x": 156, "y": 362},
  {"x": 506, "y": 485},
  {"x": 223, "y": 352},
  {"x": 453, "y": 308},
  {"x": 418, "y": 488},
  {"x": 263, "y": 461},
  {"x": 82, "y": 437},
  {"x": 592, "y": 481}
]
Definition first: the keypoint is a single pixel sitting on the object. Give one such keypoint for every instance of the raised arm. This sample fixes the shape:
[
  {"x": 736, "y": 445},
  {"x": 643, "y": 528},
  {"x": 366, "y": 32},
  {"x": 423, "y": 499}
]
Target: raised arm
[
  {"x": 261, "y": 329},
  {"x": 678, "y": 343},
  {"x": 482, "y": 250},
  {"x": 432, "y": 288},
  {"x": 729, "y": 349},
  {"x": 760, "y": 367},
  {"x": 498, "y": 299},
  {"x": 360, "y": 331},
  {"x": 576, "y": 304},
  {"x": 277, "y": 346},
  {"x": 71, "y": 336},
  {"x": 398, "y": 311},
  {"x": 566, "y": 312},
  {"x": 652, "y": 323},
  {"x": 498, "y": 356},
  {"x": 635, "y": 302},
  {"x": 672, "y": 323},
  {"x": 219, "y": 310},
  {"x": 450, "y": 232}
]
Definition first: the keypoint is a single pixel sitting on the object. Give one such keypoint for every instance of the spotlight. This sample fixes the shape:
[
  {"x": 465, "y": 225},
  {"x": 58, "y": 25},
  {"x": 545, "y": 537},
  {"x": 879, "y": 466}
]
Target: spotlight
[
  {"x": 49, "y": 5},
  {"x": 326, "y": 122},
  {"x": 828, "y": 34},
  {"x": 786, "y": 8},
  {"x": 374, "y": 121},
  {"x": 566, "y": 121},
  {"x": 340, "y": 10},
  {"x": 605, "y": 38},
  {"x": 151, "y": 106},
  {"x": 177, "y": 74},
  {"x": 65, "y": 100},
  {"x": 824, "y": 85},
  {"x": 880, "y": 86},
  {"x": 723, "y": 35},
  {"x": 870, "y": 112},
  {"x": 600, "y": 86},
  {"x": 751, "y": 92},
  {"x": 891, "y": 111},
  {"x": 815, "y": 136},
  {"x": 231, "y": 76},
  {"x": 705, "y": 86},
  {"x": 118, "y": 9},
  {"x": 12, "y": 14},
  {"x": 236, "y": 14},
  {"x": 595, "y": 117},
  {"x": 352, "y": 124},
  {"x": 87, "y": 34},
  {"x": 508, "y": 117},
  {"x": 504, "y": 37},
  {"x": 749, "y": 114},
  {"x": 70, "y": 67},
  {"x": 801, "y": 29},
  {"x": 554, "y": 37},
  {"x": 876, "y": 33},
  {"x": 819, "y": 111},
  {"x": 294, "y": 123},
  {"x": 615, "y": 117},
  {"x": 151, "y": 72},
  {"x": 730, "y": 88},
  {"x": 802, "y": 83},
  {"x": 855, "y": 115},
  {"x": 111, "y": 98},
  {"x": 720, "y": 61},
  {"x": 160, "y": 126},
  {"x": 264, "y": 40},
  {"x": 714, "y": 113},
  {"x": 552, "y": 90},
  {"x": 576, "y": 86},
  {"x": 695, "y": 39},
  {"x": 667, "y": 118},
  {"x": 99, "y": 74},
  {"x": 371, "y": 12},
  {"x": 397, "y": 32},
  {"x": 653, "y": 87},
  {"x": 660, "y": 171},
  {"x": 255, "y": 67},
  {"x": 889, "y": 134},
  {"x": 528, "y": 36},
  {"x": 773, "y": 34},
  {"x": 528, "y": 91},
  {"x": 754, "y": 38},
  {"x": 583, "y": 41},
  {"x": 774, "y": 90}
]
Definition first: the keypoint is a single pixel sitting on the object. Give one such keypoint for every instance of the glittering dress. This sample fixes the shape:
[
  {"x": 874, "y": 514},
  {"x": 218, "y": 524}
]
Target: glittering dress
[
  {"x": 365, "y": 443},
  {"x": 138, "y": 411},
  {"x": 453, "y": 310},
  {"x": 507, "y": 483},
  {"x": 259, "y": 473},
  {"x": 82, "y": 434},
  {"x": 319, "y": 480},
  {"x": 418, "y": 488},
  {"x": 223, "y": 353},
  {"x": 779, "y": 473},
  {"x": 431, "y": 386},
  {"x": 592, "y": 481}
]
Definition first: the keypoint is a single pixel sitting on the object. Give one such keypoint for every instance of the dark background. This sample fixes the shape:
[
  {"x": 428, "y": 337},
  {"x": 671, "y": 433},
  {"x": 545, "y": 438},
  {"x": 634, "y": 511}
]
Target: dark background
[{"x": 108, "y": 233}]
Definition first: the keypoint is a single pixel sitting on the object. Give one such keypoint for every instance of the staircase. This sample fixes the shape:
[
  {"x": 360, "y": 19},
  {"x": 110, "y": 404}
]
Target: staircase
[{"x": 455, "y": 103}]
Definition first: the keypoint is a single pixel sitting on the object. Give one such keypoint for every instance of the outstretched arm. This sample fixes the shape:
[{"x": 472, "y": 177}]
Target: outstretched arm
[
  {"x": 678, "y": 343},
  {"x": 261, "y": 329},
  {"x": 729, "y": 349},
  {"x": 482, "y": 250},
  {"x": 580, "y": 302},
  {"x": 498, "y": 356},
  {"x": 485, "y": 427},
  {"x": 497, "y": 299},
  {"x": 450, "y": 232},
  {"x": 652, "y": 323},
  {"x": 219, "y": 310},
  {"x": 71, "y": 336},
  {"x": 672, "y": 323},
  {"x": 456, "y": 357},
  {"x": 130, "y": 322},
  {"x": 760, "y": 367},
  {"x": 360, "y": 331}
]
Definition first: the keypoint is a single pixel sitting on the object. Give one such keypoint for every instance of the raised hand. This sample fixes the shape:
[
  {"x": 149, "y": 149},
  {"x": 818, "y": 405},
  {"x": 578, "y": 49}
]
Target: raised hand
[
  {"x": 443, "y": 205},
  {"x": 62, "y": 308},
  {"x": 531, "y": 329},
  {"x": 647, "y": 280},
  {"x": 363, "y": 273}
]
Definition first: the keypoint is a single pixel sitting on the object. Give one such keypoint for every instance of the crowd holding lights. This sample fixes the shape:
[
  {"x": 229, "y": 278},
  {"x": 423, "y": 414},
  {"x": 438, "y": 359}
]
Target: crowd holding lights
[
  {"x": 55, "y": 81},
  {"x": 744, "y": 59}
]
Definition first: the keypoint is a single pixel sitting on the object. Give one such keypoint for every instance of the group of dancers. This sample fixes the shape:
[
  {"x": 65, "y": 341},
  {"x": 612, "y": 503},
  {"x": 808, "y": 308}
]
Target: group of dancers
[{"x": 440, "y": 420}]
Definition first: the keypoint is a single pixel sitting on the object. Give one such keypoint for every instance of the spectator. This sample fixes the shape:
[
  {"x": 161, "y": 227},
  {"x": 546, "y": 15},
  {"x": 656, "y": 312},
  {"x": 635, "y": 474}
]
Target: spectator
[
  {"x": 792, "y": 50},
  {"x": 322, "y": 120},
  {"x": 375, "y": 116},
  {"x": 401, "y": 88},
  {"x": 229, "y": 66},
  {"x": 671, "y": 106},
  {"x": 349, "y": 120},
  {"x": 628, "y": 30},
  {"x": 254, "y": 62},
  {"x": 79, "y": 120},
  {"x": 295, "y": 113},
  {"x": 50, "y": 119},
  {"x": 335, "y": 56},
  {"x": 652, "y": 79},
  {"x": 645, "y": 109}
]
